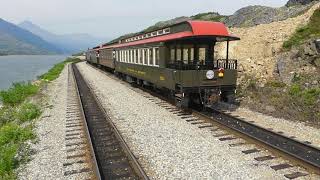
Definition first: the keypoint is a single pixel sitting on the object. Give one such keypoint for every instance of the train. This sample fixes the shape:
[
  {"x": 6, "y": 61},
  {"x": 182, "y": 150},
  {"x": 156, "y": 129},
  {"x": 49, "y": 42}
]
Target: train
[{"x": 179, "y": 59}]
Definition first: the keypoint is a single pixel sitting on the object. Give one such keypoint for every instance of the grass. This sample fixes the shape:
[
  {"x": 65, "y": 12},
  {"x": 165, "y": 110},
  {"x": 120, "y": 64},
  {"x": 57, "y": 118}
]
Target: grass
[
  {"x": 12, "y": 137},
  {"x": 54, "y": 72},
  {"x": 18, "y": 93},
  {"x": 299, "y": 101},
  {"x": 16, "y": 119},
  {"x": 26, "y": 112},
  {"x": 311, "y": 30}
]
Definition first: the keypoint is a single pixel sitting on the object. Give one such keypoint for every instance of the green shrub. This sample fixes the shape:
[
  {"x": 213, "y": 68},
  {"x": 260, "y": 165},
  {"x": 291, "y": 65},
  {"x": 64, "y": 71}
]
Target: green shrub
[
  {"x": 295, "y": 90},
  {"x": 311, "y": 30},
  {"x": 311, "y": 96},
  {"x": 7, "y": 161},
  {"x": 276, "y": 84},
  {"x": 6, "y": 115},
  {"x": 13, "y": 133},
  {"x": 27, "y": 112},
  {"x": 252, "y": 85},
  {"x": 54, "y": 72},
  {"x": 18, "y": 93}
]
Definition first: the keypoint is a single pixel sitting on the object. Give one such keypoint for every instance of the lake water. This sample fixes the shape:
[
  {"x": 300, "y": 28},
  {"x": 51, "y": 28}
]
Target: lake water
[{"x": 19, "y": 68}]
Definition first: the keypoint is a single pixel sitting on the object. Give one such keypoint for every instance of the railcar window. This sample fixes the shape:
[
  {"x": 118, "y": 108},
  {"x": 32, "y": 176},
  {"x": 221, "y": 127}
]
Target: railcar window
[
  {"x": 116, "y": 55},
  {"x": 145, "y": 57},
  {"x": 140, "y": 56},
  {"x": 166, "y": 31},
  {"x": 191, "y": 54},
  {"x": 151, "y": 57},
  {"x": 122, "y": 56},
  {"x": 178, "y": 54},
  {"x": 172, "y": 55},
  {"x": 135, "y": 56},
  {"x": 126, "y": 56},
  {"x": 202, "y": 55},
  {"x": 157, "y": 56},
  {"x": 185, "y": 55}
]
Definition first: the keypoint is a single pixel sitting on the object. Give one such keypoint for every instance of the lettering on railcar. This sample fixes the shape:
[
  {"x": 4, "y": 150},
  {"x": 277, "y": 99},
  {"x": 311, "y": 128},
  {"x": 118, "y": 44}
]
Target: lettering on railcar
[
  {"x": 162, "y": 78},
  {"x": 136, "y": 71}
]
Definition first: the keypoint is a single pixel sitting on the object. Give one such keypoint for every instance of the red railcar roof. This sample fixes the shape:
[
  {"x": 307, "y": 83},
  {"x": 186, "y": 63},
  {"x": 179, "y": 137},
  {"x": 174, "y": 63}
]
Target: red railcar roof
[{"x": 199, "y": 28}]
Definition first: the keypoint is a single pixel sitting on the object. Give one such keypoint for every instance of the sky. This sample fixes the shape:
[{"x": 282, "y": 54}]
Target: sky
[{"x": 112, "y": 18}]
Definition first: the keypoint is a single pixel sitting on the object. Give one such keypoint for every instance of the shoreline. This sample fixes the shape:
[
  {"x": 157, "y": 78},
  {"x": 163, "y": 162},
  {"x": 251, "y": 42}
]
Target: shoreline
[{"x": 23, "y": 105}]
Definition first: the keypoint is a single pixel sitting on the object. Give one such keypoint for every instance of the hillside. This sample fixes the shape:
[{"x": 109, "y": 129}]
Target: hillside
[
  {"x": 276, "y": 78},
  {"x": 70, "y": 43},
  {"x": 245, "y": 17},
  {"x": 15, "y": 40}
]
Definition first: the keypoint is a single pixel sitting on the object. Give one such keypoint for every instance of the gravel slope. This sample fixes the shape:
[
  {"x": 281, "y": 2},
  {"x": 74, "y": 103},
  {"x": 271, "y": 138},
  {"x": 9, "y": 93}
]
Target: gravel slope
[
  {"x": 49, "y": 156},
  {"x": 169, "y": 147}
]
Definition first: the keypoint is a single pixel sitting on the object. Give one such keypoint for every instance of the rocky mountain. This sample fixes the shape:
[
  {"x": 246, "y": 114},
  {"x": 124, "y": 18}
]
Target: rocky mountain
[
  {"x": 15, "y": 40},
  {"x": 255, "y": 15},
  {"x": 70, "y": 43},
  {"x": 299, "y": 2},
  {"x": 245, "y": 17}
]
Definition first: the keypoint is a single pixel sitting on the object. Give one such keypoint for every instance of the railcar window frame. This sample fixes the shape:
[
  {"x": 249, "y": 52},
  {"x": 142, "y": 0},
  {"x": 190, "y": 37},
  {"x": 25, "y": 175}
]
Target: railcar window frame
[
  {"x": 140, "y": 59},
  {"x": 202, "y": 61},
  {"x": 172, "y": 54},
  {"x": 150, "y": 57},
  {"x": 145, "y": 56},
  {"x": 178, "y": 54},
  {"x": 185, "y": 55},
  {"x": 156, "y": 56}
]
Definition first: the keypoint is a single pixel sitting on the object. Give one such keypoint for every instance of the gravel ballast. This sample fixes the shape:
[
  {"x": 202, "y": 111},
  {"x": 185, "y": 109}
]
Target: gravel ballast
[
  {"x": 49, "y": 155},
  {"x": 169, "y": 147}
]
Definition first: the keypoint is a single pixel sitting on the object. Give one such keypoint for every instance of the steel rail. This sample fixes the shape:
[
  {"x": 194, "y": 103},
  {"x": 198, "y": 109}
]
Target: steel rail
[
  {"x": 303, "y": 154},
  {"x": 93, "y": 156},
  {"x": 132, "y": 159}
]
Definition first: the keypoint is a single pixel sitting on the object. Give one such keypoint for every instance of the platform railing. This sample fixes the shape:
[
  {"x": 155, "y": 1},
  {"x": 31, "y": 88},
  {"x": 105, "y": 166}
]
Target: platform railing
[{"x": 220, "y": 63}]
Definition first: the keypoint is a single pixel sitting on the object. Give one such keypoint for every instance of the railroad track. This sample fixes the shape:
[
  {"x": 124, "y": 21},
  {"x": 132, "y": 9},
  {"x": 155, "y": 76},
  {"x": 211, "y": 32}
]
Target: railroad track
[
  {"x": 80, "y": 160},
  {"x": 301, "y": 153},
  {"x": 113, "y": 158},
  {"x": 298, "y": 153}
]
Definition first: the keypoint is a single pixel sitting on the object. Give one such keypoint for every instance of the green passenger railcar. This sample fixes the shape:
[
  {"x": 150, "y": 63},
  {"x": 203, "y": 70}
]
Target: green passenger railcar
[{"x": 179, "y": 59}]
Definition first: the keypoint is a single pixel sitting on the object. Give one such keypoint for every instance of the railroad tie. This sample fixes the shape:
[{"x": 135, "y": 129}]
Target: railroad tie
[
  {"x": 264, "y": 158},
  {"x": 250, "y": 151},
  {"x": 281, "y": 166},
  {"x": 295, "y": 175}
]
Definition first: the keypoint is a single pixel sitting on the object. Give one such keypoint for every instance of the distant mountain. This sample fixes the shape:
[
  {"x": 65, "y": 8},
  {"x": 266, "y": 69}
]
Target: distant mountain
[
  {"x": 15, "y": 40},
  {"x": 70, "y": 43}
]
